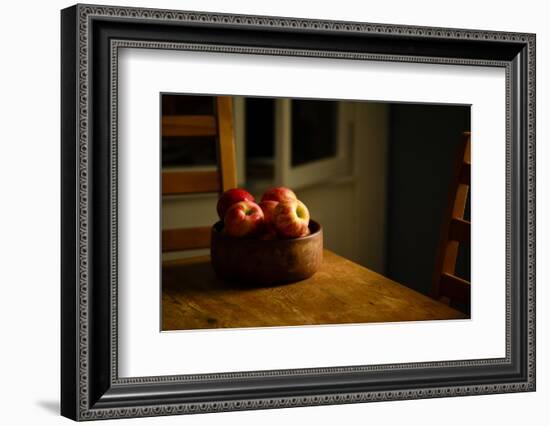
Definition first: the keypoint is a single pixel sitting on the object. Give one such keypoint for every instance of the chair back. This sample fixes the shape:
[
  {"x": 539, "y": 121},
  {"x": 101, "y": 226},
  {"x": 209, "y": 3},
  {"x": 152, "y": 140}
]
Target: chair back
[
  {"x": 446, "y": 285},
  {"x": 220, "y": 126}
]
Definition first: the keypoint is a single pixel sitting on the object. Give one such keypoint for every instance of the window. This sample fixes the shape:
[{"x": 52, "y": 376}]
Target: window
[
  {"x": 296, "y": 142},
  {"x": 260, "y": 138},
  {"x": 314, "y": 130},
  {"x": 291, "y": 142}
]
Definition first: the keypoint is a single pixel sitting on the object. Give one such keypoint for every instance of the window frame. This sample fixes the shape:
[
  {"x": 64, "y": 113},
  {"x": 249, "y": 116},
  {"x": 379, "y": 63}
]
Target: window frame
[{"x": 316, "y": 171}]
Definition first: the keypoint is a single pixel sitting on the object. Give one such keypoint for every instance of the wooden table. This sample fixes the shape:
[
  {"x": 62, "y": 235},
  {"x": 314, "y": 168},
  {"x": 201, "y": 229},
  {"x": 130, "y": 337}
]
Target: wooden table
[{"x": 340, "y": 292}]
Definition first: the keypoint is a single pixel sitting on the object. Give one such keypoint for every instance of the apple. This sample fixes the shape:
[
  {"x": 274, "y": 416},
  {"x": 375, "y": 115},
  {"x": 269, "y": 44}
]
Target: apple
[
  {"x": 230, "y": 197},
  {"x": 244, "y": 218},
  {"x": 268, "y": 207},
  {"x": 268, "y": 232},
  {"x": 291, "y": 219},
  {"x": 279, "y": 194}
]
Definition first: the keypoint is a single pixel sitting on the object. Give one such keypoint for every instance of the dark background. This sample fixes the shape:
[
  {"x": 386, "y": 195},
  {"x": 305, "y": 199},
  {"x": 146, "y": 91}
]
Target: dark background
[{"x": 423, "y": 144}]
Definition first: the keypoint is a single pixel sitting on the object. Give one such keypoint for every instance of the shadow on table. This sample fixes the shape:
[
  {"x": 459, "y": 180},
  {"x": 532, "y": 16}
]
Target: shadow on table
[{"x": 197, "y": 275}]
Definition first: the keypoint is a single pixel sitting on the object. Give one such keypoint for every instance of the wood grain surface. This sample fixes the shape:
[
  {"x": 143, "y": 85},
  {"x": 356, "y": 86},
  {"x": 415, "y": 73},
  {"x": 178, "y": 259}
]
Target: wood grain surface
[
  {"x": 190, "y": 182},
  {"x": 188, "y": 125},
  {"x": 186, "y": 238},
  {"x": 340, "y": 292}
]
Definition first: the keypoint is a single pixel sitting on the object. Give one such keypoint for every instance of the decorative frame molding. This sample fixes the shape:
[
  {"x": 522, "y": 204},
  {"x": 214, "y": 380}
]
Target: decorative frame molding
[{"x": 91, "y": 388}]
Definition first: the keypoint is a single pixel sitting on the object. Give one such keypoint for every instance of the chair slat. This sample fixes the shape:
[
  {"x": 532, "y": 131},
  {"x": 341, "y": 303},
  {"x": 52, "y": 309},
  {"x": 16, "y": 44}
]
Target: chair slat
[
  {"x": 189, "y": 182},
  {"x": 185, "y": 238},
  {"x": 455, "y": 288},
  {"x": 459, "y": 230},
  {"x": 189, "y": 125}
]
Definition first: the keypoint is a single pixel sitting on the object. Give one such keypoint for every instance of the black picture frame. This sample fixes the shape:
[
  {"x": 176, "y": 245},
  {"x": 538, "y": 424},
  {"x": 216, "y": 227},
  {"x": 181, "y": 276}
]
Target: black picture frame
[{"x": 90, "y": 386}]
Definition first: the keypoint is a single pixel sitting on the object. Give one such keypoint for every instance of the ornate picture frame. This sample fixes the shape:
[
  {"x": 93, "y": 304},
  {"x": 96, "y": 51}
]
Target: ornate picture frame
[{"x": 91, "y": 386}]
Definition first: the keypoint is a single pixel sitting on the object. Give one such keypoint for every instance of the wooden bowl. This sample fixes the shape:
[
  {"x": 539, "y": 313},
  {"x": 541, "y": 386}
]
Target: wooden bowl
[{"x": 266, "y": 262}]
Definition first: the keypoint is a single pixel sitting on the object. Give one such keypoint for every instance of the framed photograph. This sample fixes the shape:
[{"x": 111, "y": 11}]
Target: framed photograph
[{"x": 263, "y": 212}]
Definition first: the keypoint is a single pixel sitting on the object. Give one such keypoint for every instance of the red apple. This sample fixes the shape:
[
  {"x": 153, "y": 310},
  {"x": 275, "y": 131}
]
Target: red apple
[
  {"x": 291, "y": 219},
  {"x": 230, "y": 197},
  {"x": 268, "y": 232},
  {"x": 244, "y": 218},
  {"x": 268, "y": 207},
  {"x": 279, "y": 194}
]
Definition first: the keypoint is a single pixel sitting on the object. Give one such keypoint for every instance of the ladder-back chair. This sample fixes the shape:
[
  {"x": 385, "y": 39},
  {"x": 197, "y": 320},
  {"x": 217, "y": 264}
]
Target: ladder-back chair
[
  {"x": 446, "y": 285},
  {"x": 220, "y": 126}
]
